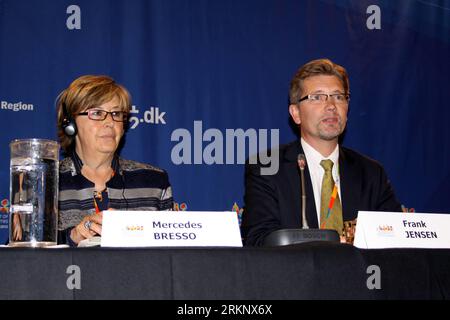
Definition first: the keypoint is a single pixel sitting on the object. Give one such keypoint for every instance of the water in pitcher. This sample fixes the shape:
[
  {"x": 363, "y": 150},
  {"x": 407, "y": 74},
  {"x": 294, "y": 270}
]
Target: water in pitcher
[{"x": 33, "y": 190}]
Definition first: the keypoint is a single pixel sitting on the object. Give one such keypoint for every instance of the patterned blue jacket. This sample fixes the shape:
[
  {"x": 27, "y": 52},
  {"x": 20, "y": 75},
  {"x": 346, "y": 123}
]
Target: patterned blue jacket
[{"x": 134, "y": 186}]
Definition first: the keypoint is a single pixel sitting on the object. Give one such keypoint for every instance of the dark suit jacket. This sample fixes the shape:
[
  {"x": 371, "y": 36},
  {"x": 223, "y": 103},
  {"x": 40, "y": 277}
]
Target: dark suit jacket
[{"x": 273, "y": 202}]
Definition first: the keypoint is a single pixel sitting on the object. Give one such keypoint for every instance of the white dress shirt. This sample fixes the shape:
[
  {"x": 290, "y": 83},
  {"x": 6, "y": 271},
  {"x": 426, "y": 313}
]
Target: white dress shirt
[{"x": 316, "y": 172}]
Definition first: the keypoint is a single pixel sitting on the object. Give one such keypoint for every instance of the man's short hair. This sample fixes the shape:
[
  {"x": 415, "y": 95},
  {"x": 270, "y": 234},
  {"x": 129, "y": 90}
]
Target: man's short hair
[{"x": 316, "y": 68}]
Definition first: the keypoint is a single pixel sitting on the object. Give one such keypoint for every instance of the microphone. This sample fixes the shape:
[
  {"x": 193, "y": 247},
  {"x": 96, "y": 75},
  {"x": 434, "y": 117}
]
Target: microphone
[
  {"x": 285, "y": 237},
  {"x": 301, "y": 161}
]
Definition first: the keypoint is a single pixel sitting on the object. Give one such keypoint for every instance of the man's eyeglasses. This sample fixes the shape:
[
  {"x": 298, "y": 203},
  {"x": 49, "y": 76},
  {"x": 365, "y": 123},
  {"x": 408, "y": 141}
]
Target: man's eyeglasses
[
  {"x": 338, "y": 98},
  {"x": 100, "y": 115}
]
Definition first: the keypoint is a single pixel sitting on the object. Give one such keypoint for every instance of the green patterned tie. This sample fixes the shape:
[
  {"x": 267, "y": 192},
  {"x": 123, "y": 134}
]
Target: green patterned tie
[{"x": 332, "y": 219}]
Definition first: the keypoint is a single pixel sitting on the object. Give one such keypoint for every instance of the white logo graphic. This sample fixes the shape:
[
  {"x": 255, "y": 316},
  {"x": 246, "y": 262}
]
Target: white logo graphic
[
  {"x": 74, "y": 20},
  {"x": 151, "y": 116},
  {"x": 373, "y": 21},
  {"x": 18, "y": 106},
  {"x": 213, "y": 152}
]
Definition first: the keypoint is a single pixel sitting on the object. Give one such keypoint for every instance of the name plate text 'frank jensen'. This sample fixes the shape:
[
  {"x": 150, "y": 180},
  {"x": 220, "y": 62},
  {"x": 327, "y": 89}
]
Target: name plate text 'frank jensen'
[
  {"x": 376, "y": 230},
  {"x": 170, "y": 229}
]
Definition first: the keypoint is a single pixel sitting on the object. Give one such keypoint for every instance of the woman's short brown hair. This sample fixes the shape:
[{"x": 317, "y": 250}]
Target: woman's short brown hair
[
  {"x": 316, "y": 68},
  {"x": 84, "y": 93}
]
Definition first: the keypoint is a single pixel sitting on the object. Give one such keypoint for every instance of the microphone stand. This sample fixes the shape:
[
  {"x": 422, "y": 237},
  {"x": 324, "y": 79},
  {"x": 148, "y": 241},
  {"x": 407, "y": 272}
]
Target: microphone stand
[
  {"x": 301, "y": 161},
  {"x": 285, "y": 237}
]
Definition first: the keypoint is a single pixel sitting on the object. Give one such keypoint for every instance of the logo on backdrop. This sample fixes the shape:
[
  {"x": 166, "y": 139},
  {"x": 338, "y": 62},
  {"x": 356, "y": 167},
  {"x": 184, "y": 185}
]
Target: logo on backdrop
[
  {"x": 179, "y": 206},
  {"x": 183, "y": 207},
  {"x": 238, "y": 211},
  {"x": 221, "y": 147},
  {"x": 16, "y": 106},
  {"x": 4, "y": 209},
  {"x": 405, "y": 209},
  {"x": 153, "y": 115}
]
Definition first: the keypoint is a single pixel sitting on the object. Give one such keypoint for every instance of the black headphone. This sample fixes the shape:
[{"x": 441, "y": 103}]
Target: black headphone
[{"x": 68, "y": 125}]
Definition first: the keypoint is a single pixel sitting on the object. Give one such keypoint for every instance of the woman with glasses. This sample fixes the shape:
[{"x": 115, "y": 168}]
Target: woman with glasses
[{"x": 92, "y": 119}]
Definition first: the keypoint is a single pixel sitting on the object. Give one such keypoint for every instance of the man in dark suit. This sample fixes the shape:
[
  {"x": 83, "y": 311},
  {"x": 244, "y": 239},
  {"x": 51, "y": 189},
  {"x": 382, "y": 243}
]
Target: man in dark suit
[{"x": 338, "y": 181}]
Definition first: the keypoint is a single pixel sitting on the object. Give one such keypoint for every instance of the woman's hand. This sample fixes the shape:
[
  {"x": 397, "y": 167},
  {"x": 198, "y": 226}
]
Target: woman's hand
[
  {"x": 17, "y": 233},
  {"x": 89, "y": 227}
]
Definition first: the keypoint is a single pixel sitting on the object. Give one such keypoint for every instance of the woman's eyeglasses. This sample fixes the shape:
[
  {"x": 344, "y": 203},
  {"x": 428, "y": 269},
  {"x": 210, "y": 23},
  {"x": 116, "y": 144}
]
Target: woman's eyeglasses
[{"x": 100, "y": 115}]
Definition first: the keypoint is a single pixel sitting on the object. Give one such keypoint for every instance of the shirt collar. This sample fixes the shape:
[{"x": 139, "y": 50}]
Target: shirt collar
[{"x": 314, "y": 157}]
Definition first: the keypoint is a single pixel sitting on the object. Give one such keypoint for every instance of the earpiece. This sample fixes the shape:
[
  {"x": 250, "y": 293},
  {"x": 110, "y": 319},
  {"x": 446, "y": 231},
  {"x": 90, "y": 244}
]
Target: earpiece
[{"x": 69, "y": 126}]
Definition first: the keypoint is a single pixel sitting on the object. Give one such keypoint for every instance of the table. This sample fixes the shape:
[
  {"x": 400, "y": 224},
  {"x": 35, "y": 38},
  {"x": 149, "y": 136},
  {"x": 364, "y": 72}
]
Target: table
[{"x": 306, "y": 271}]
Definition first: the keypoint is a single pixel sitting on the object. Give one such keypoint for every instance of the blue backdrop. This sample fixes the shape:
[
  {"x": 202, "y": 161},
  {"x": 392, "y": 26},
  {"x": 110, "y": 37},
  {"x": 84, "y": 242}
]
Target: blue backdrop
[{"x": 227, "y": 64}]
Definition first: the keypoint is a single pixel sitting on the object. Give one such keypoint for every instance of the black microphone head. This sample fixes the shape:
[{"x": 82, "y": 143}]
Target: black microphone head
[{"x": 301, "y": 161}]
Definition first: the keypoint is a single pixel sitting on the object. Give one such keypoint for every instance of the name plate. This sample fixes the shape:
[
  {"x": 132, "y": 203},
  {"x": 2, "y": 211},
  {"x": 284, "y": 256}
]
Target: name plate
[
  {"x": 377, "y": 230},
  {"x": 170, "y": 229}
]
